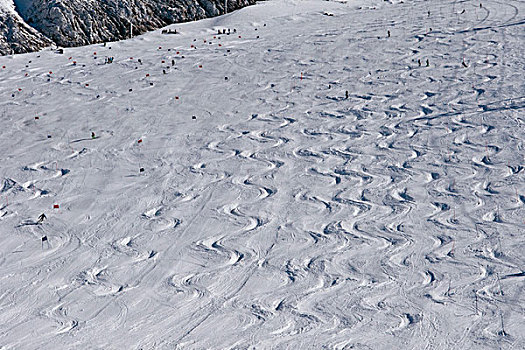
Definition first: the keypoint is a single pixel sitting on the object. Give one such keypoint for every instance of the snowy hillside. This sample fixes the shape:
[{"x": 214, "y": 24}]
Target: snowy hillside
[{"x": 234, "y": 197}]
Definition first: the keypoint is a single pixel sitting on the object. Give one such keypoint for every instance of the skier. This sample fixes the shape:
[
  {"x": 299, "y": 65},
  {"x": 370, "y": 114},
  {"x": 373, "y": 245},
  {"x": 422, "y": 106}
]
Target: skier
[
  {"x": 93, "y": 135},
  {"x": 41, "y": 218}
]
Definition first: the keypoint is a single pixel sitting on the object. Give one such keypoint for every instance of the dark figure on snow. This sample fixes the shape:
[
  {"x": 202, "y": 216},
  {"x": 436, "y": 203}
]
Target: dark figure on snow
[
  {"x": 41, "y": 218},
  {"x": 44, "y": 239},
  {"x": 346, "y": 94},
  {"x": 388, "y": 34},
  {"x": 93, "y": 135},
  {"x": 419, "y": 62},
  {"x": 428, "y": 63}
]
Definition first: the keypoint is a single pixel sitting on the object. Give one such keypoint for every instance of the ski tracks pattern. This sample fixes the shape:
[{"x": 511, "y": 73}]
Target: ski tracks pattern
[{"x": 272, "y": 210}]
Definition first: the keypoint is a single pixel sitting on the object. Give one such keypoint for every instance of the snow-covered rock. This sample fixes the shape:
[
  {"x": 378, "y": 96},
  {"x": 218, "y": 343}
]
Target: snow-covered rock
[{"x": 15, "y": 35}]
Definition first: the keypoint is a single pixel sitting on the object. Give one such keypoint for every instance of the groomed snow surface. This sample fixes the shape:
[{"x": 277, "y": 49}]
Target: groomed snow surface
[{"x": 272, "y": 212}]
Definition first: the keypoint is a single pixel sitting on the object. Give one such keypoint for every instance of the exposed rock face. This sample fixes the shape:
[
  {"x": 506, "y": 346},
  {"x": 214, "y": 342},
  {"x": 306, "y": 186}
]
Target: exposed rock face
[
  {"x": 81, "y": 22},
  {"x": 18, "y": 37}
]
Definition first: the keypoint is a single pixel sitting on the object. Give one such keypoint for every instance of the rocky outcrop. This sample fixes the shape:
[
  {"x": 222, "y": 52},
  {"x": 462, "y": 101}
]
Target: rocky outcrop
[
  {"x": 81, "y": 22},
  {"x": 18, "y": 37}
]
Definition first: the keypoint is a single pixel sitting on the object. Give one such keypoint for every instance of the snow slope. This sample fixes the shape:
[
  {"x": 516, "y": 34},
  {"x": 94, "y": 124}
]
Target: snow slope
[{"x": 273, "y": 212}]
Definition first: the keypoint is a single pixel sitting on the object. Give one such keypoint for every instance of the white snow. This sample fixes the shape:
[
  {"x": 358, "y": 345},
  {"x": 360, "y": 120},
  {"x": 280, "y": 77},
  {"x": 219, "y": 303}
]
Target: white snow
[
  {"x": 284, "y": 215},
  {"x": 7, "y": 6}
]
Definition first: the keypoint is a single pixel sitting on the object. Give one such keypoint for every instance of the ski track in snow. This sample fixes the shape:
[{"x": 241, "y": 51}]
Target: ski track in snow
[{"x": 284, "y": 215}]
